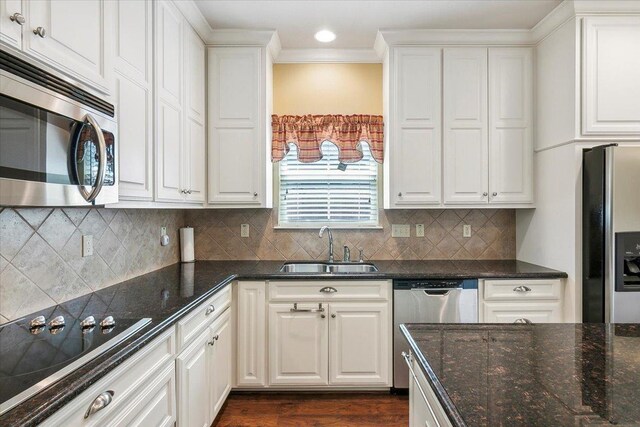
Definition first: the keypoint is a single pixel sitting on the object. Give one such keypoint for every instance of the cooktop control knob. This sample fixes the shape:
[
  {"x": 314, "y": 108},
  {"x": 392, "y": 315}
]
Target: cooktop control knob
[
  {"x": 88, "y": 322},
  {"x": 107, "y": 322}
]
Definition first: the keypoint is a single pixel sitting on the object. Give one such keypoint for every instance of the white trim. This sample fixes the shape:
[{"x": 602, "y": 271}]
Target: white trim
[
  {"x": 554, "y": 19},
  {"x": 454, "y": 37},
  {"x": 194, "y": 16},
  {"x": 606, "y": 7},
  {"x": 239, "y": 37},
  {"x": 328, "y": 56}
]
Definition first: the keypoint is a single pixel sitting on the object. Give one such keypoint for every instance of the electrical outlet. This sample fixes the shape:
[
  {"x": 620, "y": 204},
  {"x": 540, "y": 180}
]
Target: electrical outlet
[
  {"x": 244, "y": 230},
  {"x": 163, "y": 231},
  {"x": 466, "y": 230},
  {"x": 419, "y": 230},
  {"x": 400, "y": 230},
  {"x": 87, "y": 245}
]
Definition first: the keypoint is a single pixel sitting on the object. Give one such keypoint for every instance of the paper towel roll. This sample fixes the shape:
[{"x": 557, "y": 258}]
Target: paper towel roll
[{"x": 186, "y": 245}]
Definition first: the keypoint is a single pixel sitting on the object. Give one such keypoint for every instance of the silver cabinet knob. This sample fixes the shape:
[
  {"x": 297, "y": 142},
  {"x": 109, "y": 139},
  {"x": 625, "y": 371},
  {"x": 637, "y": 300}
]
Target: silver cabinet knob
[
  {"x": 494, "y": 194},
  {"x": 255, "y": 194},
  {"x": 322, "y": 316},
  {"x": 102, "y": 401},
  {"x": 211, "y": 343},
  {"x": 189, "y": 191},
  {"x": 485, "y": 194},
  {"x": 333, "y": 316},
  {"x": 399, "y": 194},
  {"x": 209, "y": 310},
  {"x": 40, "y": 31},
  {"x": 18, "y": 18}
]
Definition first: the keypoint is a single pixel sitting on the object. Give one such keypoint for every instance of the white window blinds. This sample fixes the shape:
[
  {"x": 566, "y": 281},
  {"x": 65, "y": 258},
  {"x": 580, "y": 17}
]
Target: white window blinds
[{"x": 320, "y": 193}]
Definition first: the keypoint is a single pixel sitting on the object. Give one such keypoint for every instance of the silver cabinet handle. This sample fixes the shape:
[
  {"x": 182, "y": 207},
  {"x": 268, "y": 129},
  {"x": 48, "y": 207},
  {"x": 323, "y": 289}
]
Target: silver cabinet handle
[
  {"x": 18, "y": 18},
  {"x": 189, "y": 191},
  {"x": 295, "y": 309},
  {"x": 209, "y": 310},
  {"x": 407, "y": 360},
  {"x": 523, "y": 320},
  {"x": 102, "y": 401},
  {"x": 329, "y": 290},
  {"x": 40, "y": 31},
  {"x": 522, "y": 288}
]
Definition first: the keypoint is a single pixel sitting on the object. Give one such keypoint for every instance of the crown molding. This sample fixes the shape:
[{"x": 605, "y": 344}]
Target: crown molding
[
  {"x": 454, "y": 37},
  {"x": 192, "y": 13},
  {"x": 239, "y": 37},
  {"x": 328, "y": 56},
  {"x": 609, "y": 7}
]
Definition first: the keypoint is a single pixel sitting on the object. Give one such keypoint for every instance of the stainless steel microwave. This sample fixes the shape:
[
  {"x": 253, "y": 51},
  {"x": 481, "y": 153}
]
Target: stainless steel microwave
[{"x": 58, "y": 142}]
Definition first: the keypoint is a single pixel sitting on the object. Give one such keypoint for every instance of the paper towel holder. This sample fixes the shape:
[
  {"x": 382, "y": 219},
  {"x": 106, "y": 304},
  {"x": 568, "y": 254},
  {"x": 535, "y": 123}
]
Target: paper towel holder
[{"x": 187, "y": 250}]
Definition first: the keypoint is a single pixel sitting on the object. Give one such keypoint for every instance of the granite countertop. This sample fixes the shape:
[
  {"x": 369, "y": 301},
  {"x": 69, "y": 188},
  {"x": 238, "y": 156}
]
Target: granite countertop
[
  {"x": 165, "y": 295},
  {"x": 532, "y": 375}
]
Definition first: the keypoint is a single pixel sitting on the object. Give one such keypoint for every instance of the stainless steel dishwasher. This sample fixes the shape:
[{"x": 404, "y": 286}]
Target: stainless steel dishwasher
[{"x": 428, "y": 301}]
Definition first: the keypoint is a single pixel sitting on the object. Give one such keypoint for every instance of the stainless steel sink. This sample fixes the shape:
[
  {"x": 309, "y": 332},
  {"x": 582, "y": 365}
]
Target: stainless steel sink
[{"x": 304, "y": 267}]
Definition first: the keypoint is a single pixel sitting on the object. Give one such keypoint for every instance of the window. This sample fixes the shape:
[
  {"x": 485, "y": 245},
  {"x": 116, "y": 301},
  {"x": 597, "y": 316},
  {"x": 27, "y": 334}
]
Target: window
[{"x": 315, "y": 194}]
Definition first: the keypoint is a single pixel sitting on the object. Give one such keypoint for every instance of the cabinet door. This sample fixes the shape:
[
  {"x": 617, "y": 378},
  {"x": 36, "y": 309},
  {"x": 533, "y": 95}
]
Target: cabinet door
[
  {"x": 220, "y": 363},
  {"x": 75, "y": 39},
  {"x": 195, "y": 181},
  {"x": 611, "y": 66},
  {"x": 509, "y": 312},
  {"x": 416, "y": 128},
  {"x": 236, "y": 140},
  {"x": 133, "y": 66},
  {"x": 169, "y": 93},
  {"x": 10, "y": 31},
  {"x": 194, "y": 384},
  {"x": 466, "y": 154},
  {"x": 251, "y": 334},
  {"x": 359, "y": 344},
  {"x": 298, "y": 345},
  {"x": 510, "y": 125}
]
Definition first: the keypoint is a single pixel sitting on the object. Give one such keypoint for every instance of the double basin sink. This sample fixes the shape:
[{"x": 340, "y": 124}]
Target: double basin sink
[{"x": 331, "y": 268}]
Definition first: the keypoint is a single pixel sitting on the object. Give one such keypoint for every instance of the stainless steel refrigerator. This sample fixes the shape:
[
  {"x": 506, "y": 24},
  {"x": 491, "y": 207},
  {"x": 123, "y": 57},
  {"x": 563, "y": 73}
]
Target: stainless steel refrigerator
[{"x": 611, "y": 234}]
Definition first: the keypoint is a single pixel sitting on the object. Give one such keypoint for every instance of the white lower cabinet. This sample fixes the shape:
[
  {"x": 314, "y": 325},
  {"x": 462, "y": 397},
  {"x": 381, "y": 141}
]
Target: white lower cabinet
[
  {"x": 251, "y": 327},
  {"x": 424, "y": 408},
  {"x": 204, "y": 374},
  {"x": 521, "y": 301},
  {"x": 359, "y": 343},
  {"x": 139, "y": 392}
]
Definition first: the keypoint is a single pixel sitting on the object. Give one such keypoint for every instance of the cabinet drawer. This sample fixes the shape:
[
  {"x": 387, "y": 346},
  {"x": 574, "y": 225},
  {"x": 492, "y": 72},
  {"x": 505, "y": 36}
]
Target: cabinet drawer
[
  {"x": 329, "y": 290},
  {"x": 127, "y": 383},
  {"x": 518, "y": 290},
  {"x": 200, "y": 317},
  {"x": 510, "y": 312}
]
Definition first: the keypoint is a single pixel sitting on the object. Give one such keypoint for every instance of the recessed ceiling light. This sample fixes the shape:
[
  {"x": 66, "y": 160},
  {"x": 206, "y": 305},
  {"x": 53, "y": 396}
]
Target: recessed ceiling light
[{"x": 325, "y": 36}]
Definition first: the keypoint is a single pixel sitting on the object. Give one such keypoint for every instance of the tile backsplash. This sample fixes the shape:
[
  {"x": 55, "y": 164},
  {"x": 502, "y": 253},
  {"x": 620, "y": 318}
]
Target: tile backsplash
[
  {"x": 217, "y": 236},
  {"x": 41, "y": 261}
]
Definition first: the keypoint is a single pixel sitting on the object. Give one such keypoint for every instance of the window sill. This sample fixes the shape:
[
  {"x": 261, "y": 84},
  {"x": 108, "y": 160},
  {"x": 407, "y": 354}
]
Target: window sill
[{"x": 333, "y": 227}]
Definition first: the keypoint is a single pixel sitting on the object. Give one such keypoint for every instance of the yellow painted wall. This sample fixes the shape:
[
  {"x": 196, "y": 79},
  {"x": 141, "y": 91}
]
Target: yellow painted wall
[{"x": 327, "y": 89}]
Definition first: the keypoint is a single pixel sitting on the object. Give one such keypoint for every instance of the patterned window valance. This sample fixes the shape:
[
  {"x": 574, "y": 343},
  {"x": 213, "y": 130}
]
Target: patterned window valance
[{"x": 309, "y": 132}]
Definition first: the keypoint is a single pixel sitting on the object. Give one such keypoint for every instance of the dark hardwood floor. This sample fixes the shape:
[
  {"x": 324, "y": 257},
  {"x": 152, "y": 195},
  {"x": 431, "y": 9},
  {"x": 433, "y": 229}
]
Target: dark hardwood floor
[{"x": 314, "y": 409}]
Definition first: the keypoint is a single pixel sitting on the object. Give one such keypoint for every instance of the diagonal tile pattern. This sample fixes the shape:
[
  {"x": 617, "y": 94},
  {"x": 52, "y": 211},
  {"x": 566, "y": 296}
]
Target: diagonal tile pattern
[
  {"x": 41, "y": 261},
  {"x": 493, "y": 236}
]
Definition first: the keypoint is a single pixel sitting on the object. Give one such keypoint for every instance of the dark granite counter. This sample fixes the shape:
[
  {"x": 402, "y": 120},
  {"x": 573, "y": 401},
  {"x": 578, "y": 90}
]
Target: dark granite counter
[
  {"x": 532, "y": 375},
  {"x": 167, "y": 294}
]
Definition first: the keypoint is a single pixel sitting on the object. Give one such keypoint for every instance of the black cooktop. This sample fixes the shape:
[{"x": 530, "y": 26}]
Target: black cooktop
[{"x": 32, "y": 358}]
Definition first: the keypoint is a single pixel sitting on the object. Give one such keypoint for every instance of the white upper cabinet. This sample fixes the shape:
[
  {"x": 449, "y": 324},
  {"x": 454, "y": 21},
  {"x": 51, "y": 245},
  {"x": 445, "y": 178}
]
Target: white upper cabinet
[
  {"x": 133, "y": 93},
  {"x": 466, "y": 153},
  {"x": 72, "y": 36},
  {"x": 179, "y": 86},
  {"x": 237, "y": 127},
  {"x": 415, "y": 133},
  {"x": 510, "y": 125},
  {"x": 611, "y": 75},
  {"x": 11, "y": 23}
]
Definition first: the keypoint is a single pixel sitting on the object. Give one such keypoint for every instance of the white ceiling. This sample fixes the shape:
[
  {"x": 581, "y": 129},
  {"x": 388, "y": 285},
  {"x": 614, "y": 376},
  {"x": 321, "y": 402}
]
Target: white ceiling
[{"x": 356, "y": 22}]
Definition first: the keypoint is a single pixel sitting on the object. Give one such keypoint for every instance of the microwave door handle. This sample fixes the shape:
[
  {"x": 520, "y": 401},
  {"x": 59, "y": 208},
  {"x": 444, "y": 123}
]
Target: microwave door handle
[{"x": 102, "y": 158}]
